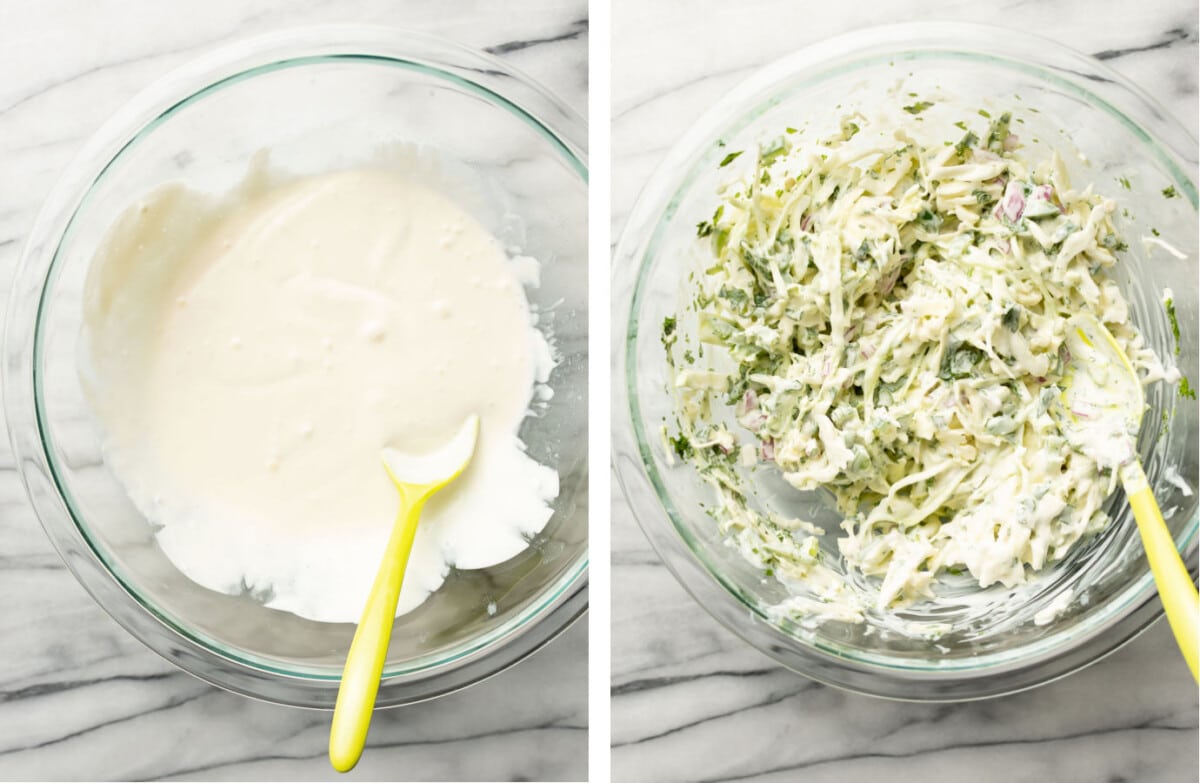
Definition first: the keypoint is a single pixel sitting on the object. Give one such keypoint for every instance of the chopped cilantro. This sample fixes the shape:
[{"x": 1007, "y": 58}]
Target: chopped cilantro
[
  {"x": 998, "y": 133},
  {"x": 1124, "y": 182},
  {"x": 1170, "y": 192},
  {"x": 918, "y": 107},
  {"x": 1169, "y": 305},
  {"x": 966, "y": 142},
  {"x": 773, "y": 150},
  {"x": 730, "y": 158},
  {"x": 706, "y": 227},
  {"x": 929, "y": 220},
  {"x": 1185, "y": 388},
  {"x": 681, "y": 446},
  {"x": 668, "y": 332},
  {"x": 1012, "y": 318},
  {"x": 1114, "y": 243}
]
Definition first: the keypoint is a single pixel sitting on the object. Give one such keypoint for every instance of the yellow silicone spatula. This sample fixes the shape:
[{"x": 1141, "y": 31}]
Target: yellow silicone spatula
[
  {"x": 416, "y": 478},
  {"x": 1101, "y": 412}
]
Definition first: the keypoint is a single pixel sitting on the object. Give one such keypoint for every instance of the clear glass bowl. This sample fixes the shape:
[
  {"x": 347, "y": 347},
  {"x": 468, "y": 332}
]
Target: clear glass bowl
[
  {"x": 319, "y": 99},
  {"x": 1065, "y": 99}
]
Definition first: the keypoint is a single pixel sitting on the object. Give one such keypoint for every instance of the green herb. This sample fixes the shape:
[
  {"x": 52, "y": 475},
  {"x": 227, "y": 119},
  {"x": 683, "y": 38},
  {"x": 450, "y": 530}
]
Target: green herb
[
  {"x": 1154, "y": 231},
  {"x": 998, "y": 132},
  {"x": 1170, "y": 192},
  {"x": 681, "y": 446},
  {"x": 960, "y": 125},
  {"x": 959, "y": 362},
  {"x": 985, "y": 114},
  {"x": 918, "y": 107},
  {"x": 790, "y": 130},
  {"x": 1114, "y": 243},
  {"x": 929, "y": 220},
  {"x": 773, "y": 150},
  {"x": 730, "y": 158},
  {"x": 668, "y": 332},
  {"x": 1012, "y": 318},
  {"x": 734, "y": 296},
  {"x": 1185, "y": 388},
  {"x": 1169, "y": 304},
  {"x": 1124, "y": 182},
  {"x": 966, "y": 142},
  {"x": 850, "y": 130}
]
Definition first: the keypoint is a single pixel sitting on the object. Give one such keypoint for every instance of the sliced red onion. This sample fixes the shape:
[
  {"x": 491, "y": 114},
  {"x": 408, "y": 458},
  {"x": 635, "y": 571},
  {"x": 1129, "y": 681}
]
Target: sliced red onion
[
  {"x": 749, "y": 402},
  {"x": 754, "y": 421},
  {"x": 768, "y": 449},
  {"x": 1013, "y": 202}
]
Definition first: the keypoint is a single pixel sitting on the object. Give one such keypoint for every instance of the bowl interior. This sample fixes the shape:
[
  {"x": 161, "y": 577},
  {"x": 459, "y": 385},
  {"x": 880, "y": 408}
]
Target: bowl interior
[
  {"x": 1107, "y": 575},
  {"x": 317, "y": 114}
]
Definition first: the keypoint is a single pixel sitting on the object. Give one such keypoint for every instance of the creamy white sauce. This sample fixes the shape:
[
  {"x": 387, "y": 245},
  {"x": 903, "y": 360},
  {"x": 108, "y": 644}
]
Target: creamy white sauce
[
  {"x": 1103, "y": 402},
  {"x": 1053, "y": 609},
  {"x": 249, "y": 359}
]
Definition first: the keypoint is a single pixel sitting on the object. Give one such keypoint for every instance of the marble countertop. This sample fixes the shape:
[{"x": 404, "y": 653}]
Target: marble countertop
[
  {"x": 689, "y": 700},
  {"x": 79, "y": 697}
]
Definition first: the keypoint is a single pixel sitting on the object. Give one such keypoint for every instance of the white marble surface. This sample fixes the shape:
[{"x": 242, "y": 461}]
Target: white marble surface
[
  {"x": 691, "y": 701},
  {"x": 80, "y": 698}
]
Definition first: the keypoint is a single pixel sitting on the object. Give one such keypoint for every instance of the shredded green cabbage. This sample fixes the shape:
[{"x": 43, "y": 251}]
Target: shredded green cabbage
[{"x": 888, "y": 323}]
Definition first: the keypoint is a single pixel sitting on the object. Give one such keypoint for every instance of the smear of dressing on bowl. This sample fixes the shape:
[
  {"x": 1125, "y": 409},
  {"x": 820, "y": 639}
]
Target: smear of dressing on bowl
[{"x": 249, "y": 358}]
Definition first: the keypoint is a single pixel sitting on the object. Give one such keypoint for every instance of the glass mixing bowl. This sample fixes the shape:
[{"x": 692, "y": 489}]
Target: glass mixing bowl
[
  {"x": 1066, "y": 100},
  {"x": 318, "y": 99}
]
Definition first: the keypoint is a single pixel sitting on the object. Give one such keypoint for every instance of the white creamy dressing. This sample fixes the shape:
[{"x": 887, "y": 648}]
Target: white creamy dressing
[
  {"x": 250, "y": 359},
  {"x": 1056, "y": 607},
  {"x": 1102, "y": 403}
]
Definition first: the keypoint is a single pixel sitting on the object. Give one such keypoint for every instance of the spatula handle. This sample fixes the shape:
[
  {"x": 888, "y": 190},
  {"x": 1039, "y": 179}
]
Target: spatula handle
[
  {"x": 1179, "y": 596},
  {"x": 368, "y": 651}
]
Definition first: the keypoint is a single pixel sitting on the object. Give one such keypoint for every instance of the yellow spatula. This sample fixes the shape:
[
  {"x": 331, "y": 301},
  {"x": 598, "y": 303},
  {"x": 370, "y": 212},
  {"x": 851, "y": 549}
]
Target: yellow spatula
[
  {"x": 1101, "y": 412},
  {"x": 416, "y": 478}
]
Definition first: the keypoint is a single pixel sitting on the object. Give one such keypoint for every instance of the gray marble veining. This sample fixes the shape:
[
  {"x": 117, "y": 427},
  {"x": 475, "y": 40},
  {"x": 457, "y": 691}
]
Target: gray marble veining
[
  {"x": 692, "y": 702},
  {"x": 79, "y": 697}
]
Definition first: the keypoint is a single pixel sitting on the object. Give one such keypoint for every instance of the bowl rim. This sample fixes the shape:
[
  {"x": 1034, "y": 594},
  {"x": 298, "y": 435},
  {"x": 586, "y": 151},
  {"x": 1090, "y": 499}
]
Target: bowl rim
[
  {"x": 465, "y": 69},
  {"x": 639, "y": 477}
]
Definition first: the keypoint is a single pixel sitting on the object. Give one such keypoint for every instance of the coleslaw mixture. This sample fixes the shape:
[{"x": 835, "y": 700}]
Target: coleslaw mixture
[{"x": 885, "y": 320}]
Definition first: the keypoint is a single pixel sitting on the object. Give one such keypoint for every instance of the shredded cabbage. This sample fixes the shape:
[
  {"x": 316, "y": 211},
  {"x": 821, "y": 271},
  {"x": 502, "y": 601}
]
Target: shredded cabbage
[{"x": 894, "y": 317}]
